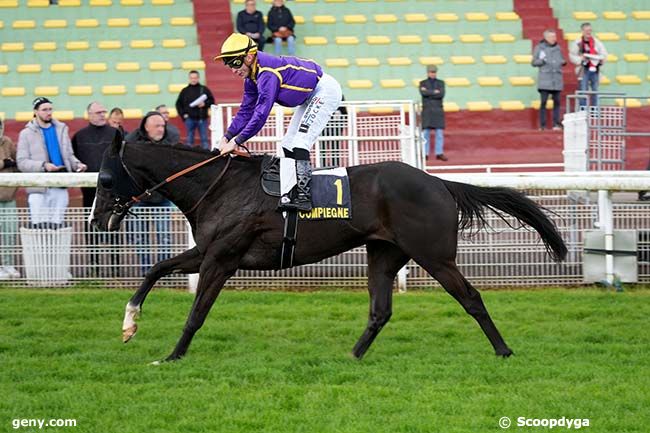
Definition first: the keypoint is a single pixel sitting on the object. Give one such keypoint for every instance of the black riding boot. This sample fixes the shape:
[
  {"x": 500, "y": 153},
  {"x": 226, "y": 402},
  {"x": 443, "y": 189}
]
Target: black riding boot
[{"x": 302, "y": 199}]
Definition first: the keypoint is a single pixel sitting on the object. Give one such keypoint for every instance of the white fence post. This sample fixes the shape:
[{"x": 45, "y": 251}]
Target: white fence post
[{"x": 606, "y": 220}]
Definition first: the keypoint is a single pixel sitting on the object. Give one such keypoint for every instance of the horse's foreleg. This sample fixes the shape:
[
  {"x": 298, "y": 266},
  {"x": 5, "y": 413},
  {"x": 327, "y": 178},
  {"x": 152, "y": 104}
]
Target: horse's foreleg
[
  {"x": 187, "y": 262},
  {"x": 384, "y": 261}
]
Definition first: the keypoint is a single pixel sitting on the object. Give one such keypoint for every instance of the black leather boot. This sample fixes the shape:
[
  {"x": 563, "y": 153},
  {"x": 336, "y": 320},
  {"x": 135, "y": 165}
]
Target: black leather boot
[{"x": 301, "y": 201}]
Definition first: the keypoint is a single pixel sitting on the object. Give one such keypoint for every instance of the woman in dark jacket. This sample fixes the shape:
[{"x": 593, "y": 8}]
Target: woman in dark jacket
[
  {"x": 281, "y": 24},
  {"x": 250, "y": 22}
]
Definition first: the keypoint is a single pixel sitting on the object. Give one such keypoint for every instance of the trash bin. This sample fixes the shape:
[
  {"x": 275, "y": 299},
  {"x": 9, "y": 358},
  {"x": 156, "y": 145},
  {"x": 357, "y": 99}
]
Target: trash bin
[{"x": 46, "y": 255}]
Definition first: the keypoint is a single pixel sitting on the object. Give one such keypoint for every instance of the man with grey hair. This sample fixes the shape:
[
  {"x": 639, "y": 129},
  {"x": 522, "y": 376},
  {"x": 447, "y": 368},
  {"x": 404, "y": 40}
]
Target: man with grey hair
[
  {"x": 589, "y": 55},
  {"x": 548, "y": 57},
  {"x": 173, "y": 134}
]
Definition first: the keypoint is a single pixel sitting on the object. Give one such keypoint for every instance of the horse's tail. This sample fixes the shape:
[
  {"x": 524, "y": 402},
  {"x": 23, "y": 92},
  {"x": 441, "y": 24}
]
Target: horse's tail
[{"x": 472, "y": 201}]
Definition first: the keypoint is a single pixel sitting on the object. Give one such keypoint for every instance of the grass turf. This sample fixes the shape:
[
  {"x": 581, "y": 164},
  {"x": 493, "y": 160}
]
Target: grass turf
[{"x": 279, "y": 362}]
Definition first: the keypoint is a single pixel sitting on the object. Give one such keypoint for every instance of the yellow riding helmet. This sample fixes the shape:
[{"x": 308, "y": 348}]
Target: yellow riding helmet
[{"x": 237, "y": 45}]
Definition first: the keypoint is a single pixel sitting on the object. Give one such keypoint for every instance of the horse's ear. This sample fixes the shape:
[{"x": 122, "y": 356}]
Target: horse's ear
[{"x": 117, "y": 143}]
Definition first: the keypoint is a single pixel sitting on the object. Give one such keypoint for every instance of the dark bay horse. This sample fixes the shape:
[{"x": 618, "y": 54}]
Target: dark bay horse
[{"x": 398, "y": 213}]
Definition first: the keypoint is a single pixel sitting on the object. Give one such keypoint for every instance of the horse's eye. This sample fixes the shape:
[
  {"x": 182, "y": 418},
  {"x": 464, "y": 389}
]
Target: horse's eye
[{"x": 105, "y": 180}]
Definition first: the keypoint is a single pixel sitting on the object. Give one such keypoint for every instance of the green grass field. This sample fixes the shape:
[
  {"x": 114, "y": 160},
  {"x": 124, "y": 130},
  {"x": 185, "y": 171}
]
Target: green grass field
[{"x": 279, "y": 362}]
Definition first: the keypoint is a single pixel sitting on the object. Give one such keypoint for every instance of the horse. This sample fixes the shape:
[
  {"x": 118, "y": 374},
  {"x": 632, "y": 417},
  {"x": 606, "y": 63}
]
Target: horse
[{"x": 398, "y": 212}]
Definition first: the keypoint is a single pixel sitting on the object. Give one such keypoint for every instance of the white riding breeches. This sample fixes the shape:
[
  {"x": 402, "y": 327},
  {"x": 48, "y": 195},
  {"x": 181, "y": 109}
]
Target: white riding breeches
[
  {"x": 311, "y": 117},
  {"x": 48, "y": 207}
]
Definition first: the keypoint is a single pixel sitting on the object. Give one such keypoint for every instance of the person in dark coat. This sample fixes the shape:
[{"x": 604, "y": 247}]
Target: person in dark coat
[
  {"x": 250, "y": 22},
  {"x": 192, "y": 105},
  {"x": 548, "y": 57},
  {"x": 433, "y": 116},
  {"x": 281, "y": 24}
]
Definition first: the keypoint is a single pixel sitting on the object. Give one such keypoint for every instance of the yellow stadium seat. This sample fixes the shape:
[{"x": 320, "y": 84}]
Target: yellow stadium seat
[
  {"x": 193, "y": 64},
  {"x": 502, "y": 37},
  {"x": 367, "y": 61},
  {"x": 511, "y": 105},
  {"x": 147, "y": 89},
  {"x": 162, "y": 2},
  {"x": 431, "y": 60},
  {"x": 628, "y": 102},
  {"x": 446, "y": 17},
  {"x": 476, "y": 16},
  {"x": 324, "y": 19},
  {"x": 117, "y": 89},
  {"x": 416, "y": 82},
  {"x": 382, "y": 109},
  {"x": 489, "y": 81},
  {"x": 304, "y": 1},
  {"x": 399, "y": 61},
  {"x": 604, "y": 80},
  {"x": 174, "y": 43},
  {"x": 118, "y": 22},
  {"x": 2, "y": 24},
  {"x": 360, "y": 84},
  {"x": 385, "y": 18},
  {"x": 175, "y": 88},
  {"x": 24, "y": 116},
  {"x": 62, "y": 67},
  {"x": 584, "y": 15},
  {"x": 416, "y": 18},
  {"x": 76, "y": 45},
  {"x": 95, "y": 67},
  {"x": 479, "y": 106},
  {"x": 44, "y": 46},
  {"x": 55, "y": 24},
  {"x": 608, "y": 36},
  {"x": 612, "y": 58},
  {"x": 335, "y": 1},
  {"x": 378, "y": 40},
  {"x": 141, "y": 43},
  {"x": 12, "y": 46},
  {"x": 9, "y": 4},
  {"x": 161, "y": 66},
  {"x": 181, "y": 21},
  {"x": 38, "y": 3},
  {"x": 4, "y": 69},
  {"x": 299, "y": 19},
  {"x": 315, "y": 40},
  {"x": 441, "y": 39},
  {"x": 70, "y": 3},
  {"x": 409, "y": 39},
  {"x": 536, "y": 104},
  {"x": 462, "y": 60},
  {"x": 13, "y": 91},
  {"x": 641, "y": 15},
  {"x": 80, "y": 90},
  {"x": 628, "y": 79},
  {"x": 23, "y": 24},
  {"x": 471, "y": 39},
  {"x": 347, "y": 40},
  {"x": 132, "y": 113},
  {"x": 635, "y": 57},
  {"x": 32, "y": 68},
  {"x": 521, "y": 81},
  {"x": 393, "y": 83},
  {"x": 637, "y": 36},
  {"x": 173, "y": 113},
  {"x": 63, "y": 114},
  {"x": 355, "y": 19},
  {"x": 450, "y": 107},
  {"x": 127, "y": 67},
  {"x": 101, "y": 3},
  {"x": 523, "y": 58},
  {"x": 494, "y": 60},
  {"x": 571, "y": 36},
  {"x": 86, "y": 23},
  {"x": 46, "y": 91},
  {"x": 150, "y": 22},
  {"x": 457, "y": 82},
  {"x": 337, "y": 63},
  {"x": 614, "y": 15},
  {"x": 132, "y": 2},
  {"x": 507, "y": 16},
  {"x": 109, "y": 45}
]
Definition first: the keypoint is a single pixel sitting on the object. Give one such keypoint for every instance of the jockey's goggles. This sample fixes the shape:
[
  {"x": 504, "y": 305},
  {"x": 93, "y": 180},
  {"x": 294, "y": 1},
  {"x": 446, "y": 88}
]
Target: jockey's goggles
[{"x": 234, "y": 62}]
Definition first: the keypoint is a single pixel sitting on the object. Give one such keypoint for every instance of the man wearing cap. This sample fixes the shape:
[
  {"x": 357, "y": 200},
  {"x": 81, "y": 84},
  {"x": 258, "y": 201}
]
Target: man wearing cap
[
  {"x": 433, "y": 116},
  {"x": 290, "y": 82},
  {"x": 44, "y": 146}
]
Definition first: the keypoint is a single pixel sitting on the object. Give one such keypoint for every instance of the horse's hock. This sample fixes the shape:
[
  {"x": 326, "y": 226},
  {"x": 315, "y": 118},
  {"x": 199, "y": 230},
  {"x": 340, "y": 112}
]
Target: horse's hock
[{"x": 46, "y": 255}]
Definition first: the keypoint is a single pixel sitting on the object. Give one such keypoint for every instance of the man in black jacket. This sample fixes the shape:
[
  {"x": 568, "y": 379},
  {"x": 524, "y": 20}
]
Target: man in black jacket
[
  {"x": 192, "y": 105},
  {"x": 433, "y": 115},
  {"x": 281, "y": 24},
  {"x": 251, "y": 23}
]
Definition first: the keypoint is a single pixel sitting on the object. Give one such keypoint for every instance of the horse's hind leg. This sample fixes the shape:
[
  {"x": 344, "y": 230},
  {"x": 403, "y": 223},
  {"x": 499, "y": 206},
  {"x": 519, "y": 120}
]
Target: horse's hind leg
[
  {"x": 187, "y": 262},
  {"x": 384, "y": 261},
  {"x": 457, "y": 286}
]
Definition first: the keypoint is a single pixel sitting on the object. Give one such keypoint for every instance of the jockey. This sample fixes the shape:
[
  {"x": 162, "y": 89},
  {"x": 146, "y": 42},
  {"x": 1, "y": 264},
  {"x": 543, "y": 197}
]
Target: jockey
[{"x": 291, "y": 82}]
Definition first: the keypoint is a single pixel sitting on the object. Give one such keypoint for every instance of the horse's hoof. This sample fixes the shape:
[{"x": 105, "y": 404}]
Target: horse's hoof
[
  {"x": 128, "y": 333},
  {"x": 155, "y": 363},
  {"x": 505, "y": 353}
]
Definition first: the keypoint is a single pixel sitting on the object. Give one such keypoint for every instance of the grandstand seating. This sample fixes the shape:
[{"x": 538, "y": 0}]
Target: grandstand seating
[{"x": 129, "y": 53}]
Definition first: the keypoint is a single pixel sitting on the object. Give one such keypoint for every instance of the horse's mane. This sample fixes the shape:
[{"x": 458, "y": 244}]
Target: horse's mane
[{"x": 180, "y": 147}]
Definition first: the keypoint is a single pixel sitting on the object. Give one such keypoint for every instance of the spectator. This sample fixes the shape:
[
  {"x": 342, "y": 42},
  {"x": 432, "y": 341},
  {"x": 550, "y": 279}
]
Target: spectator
[
  {"x": 433, "y": 116},
  {"x": 548, "y": 57},
  {"x": 116, "y": 120},
  {"x": 173, "y": 134},
  {"x": 192, "y": 105},
  {"x": 152, "y": 130},
  {"x": 9, "y": 216},
  {"x": 281, "y": 23},
  {"x": 44, "y": 146},
  {"x": 250, "y": 22},
  {"x": 588, "y": 54}
]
